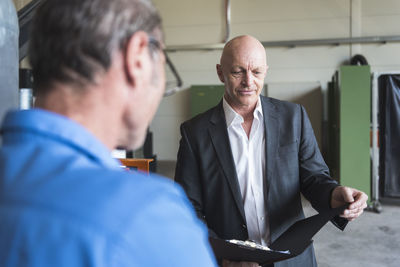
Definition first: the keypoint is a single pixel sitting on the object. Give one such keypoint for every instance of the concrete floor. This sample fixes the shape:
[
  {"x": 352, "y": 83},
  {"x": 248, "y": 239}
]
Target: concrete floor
[{"x": 370, "y": 241}]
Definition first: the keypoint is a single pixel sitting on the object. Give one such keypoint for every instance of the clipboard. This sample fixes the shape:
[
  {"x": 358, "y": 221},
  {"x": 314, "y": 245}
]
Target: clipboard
[{"x": 288, "y": 245}]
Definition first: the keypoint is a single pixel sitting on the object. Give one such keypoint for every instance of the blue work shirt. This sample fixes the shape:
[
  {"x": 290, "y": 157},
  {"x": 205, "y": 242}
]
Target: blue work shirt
[{"x": 64, "y": 201}]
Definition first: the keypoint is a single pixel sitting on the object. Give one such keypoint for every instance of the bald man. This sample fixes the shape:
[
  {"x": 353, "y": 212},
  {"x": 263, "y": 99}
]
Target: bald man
[{"x": 244, "y": 162}]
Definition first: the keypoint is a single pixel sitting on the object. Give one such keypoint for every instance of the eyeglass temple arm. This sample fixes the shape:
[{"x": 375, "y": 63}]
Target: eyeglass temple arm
[{"x": 179, "y": 82}]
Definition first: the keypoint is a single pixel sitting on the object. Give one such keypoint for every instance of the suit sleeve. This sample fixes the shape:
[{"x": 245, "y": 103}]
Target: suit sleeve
[
  {"x": 316, "y": 183},
  {"x": 187, "y": 174}
]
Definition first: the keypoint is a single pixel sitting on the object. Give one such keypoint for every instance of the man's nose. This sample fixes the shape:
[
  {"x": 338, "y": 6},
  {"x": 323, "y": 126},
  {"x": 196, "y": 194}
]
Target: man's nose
[{"x": 247, "y": 79}]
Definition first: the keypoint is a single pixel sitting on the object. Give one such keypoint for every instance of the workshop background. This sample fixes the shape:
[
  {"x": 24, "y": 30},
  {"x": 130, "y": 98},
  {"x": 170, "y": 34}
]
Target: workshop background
[
  {"x": 333, "y": 57},
  {"x": 293, "y": 71}
]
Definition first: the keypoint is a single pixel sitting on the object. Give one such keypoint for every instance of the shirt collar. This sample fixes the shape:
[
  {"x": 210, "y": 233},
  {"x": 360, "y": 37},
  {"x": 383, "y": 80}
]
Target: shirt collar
[
  {"x": 232, "y": 117},
  {"x": 258, "y": 113},
  {"x": 230, "y": 114},
  {"x": 60, "y": 128}
]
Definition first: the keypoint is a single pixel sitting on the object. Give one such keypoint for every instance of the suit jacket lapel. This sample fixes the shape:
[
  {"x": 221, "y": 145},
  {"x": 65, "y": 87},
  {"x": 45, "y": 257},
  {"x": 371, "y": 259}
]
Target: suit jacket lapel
[
  {"x": 220, "y": 139},
  {"x": 271, "y": 127}
]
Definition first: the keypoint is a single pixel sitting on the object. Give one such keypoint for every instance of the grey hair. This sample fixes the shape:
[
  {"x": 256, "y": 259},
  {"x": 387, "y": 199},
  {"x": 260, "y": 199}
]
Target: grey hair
[{"x": 72, "y": 40}]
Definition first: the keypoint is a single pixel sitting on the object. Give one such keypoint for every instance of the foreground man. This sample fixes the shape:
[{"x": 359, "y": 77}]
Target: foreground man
[
  {"x": 99, "y": 77},
  {"x": 245, "y": 162}
]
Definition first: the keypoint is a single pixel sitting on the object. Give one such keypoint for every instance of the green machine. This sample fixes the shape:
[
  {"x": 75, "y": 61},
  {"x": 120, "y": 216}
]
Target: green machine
[
  {"x": 349, "y": 119},
  {"x": 204, "y": 97}
]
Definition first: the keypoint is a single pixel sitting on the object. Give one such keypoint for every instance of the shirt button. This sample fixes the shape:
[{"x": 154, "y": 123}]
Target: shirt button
[{"x": 244, "y": 226}]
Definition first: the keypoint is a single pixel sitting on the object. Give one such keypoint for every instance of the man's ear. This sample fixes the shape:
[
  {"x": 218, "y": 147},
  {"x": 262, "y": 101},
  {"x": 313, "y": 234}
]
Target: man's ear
[
  {"x": 136, "y": 57},
  {"x": 220, "y": 73}
]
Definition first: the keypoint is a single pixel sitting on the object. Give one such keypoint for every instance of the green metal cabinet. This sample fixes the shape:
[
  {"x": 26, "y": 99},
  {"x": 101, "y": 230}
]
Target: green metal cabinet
[
  {"x": 204, "y": 97},
  {"x": 349, "y": 127}
]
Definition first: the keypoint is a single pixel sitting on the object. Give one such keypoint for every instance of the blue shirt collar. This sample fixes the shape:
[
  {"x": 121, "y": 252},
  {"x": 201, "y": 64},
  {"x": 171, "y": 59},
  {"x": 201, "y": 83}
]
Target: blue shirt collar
[{"x": 61, "y": 129}]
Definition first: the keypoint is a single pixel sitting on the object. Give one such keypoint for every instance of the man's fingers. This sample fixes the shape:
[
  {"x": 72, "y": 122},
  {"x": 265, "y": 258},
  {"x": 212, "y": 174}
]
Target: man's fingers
[
  {"x": 356, "y": 199},
  {"x": 347, "y": 194},
  {"x": 351, "y": 214},
  {"x": 354, "y": 215},
  {"x": 360, "y": 200}
]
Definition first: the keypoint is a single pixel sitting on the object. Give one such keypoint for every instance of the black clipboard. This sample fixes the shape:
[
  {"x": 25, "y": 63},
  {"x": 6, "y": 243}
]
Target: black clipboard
[
  {"x": 223, "y": 249},
  {"x": 290, "y": 244}
]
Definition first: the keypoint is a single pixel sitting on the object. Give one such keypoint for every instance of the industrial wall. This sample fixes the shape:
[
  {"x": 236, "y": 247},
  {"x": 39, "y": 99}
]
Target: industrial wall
[
  {"x": 297, "y": 74},
  {"x": 21, "y": 3},
  {"x": 292, "y": 71}
]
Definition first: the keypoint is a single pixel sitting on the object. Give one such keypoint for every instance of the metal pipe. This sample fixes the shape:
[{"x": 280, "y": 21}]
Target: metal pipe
[
  {"x": 375, "y": 153},
  {"x": 227, "y": 20},
  {"x": 295, "y": 43}
]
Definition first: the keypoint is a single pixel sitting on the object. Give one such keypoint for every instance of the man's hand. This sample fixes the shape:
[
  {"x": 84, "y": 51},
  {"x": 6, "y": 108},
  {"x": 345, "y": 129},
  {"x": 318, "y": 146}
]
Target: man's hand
[
  {"x": 342, "y": 195},
  {"x": 226, "y": 263}
]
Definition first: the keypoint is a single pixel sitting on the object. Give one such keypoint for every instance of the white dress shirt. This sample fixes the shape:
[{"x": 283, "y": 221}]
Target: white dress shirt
[{"x": 249, "y": 157}]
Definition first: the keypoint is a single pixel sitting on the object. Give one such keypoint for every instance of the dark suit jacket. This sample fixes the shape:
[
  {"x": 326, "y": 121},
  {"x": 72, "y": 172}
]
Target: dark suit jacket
[{"x": 205, "y": 169}]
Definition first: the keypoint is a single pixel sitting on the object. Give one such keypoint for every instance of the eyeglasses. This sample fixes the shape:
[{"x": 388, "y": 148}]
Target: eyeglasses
[
  {"x": 153, "y": 42},
  {"x": 174, "y": 83}
]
